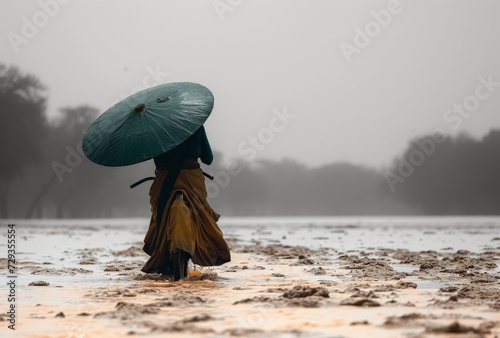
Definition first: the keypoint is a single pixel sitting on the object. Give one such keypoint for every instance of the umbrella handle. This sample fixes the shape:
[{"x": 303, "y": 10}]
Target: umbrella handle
[
  {"x": 208, "y": 176},
  {"x": 133, "y": 185}
]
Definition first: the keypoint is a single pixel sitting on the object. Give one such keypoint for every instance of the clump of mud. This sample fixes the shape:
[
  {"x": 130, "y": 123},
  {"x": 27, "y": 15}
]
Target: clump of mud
[
  {"x": 133, "y": 251},
  {"x": 305, "y": 291},
  {"x": 280, "y": 251},
  {"x": 39, "y": 283},
  {"x": 297, "y": 296},
  {"x": 364, "y": 268},
  {"x": 128, "y": 311},
  {"x": 58, "y": 272},
  {"x": 361, "y": 302}
]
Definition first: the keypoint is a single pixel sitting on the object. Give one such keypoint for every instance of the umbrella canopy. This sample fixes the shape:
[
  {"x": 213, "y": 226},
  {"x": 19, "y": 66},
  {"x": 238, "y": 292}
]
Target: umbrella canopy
[{"x": 147, "y": 124}]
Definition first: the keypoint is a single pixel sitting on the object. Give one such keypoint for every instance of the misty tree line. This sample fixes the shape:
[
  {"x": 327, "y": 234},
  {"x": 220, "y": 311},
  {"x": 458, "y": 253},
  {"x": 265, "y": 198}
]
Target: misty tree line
[
  {"x": 462, "y": 176},
  {"x": 43, "y": 173}
]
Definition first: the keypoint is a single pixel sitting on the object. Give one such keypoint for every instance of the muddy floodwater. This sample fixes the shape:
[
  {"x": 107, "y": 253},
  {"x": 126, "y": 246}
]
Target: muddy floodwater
[{"x": 289, "y": 277}]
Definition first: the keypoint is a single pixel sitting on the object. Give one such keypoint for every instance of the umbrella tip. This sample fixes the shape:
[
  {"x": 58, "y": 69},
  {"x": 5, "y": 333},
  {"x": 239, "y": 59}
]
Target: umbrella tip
[{"x": 140, "y": 107}]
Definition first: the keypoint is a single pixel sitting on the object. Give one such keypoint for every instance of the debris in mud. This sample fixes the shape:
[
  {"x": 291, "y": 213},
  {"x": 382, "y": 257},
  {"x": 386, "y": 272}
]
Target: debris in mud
[
  {"x": 370, "y": 269},
  {"x": 111, "y": 268},
  {"x": 133, "y": 251},
  {"x": 278, "y": 290},
  {"x": 305, "y": 291},
  {"x": 457, "y": 271},
  {"x": 450, "y": 303},
  {"x": 180, "y": 299},
  {"x": 401, "y": 284},
  {"x": 483, "y": 279},
  {"x": 449, "y": 289},
  {"x": 318, "y": 271},
  {"x": 303, "y": 261},
  {"x": 189, "y": 328},
  {"x": 474, "y": 292},
  {"x": 276, "y": 274},
  {"x": 328, "y": 283},
  {"x": 427, "y": 266},
  {"x": 39, "y": 283},
  {"x": 199, "y": 318},
  {"x": 128, "y": 311},
  {"x": 364, "y": 294},
  {"x": 362, "y": 322},
  {"x": 363, "y": 302},
  {"x": 88, "y": 261},
  {"x": 111, "y": 293},
  {"x": 156, "y": 276},
  {"x": 282, "y": 251},
  {"x": 146, "y": 290},
  {"x": 244, "y": 267},
  {"x": 241, "y": 288},
  {"x": 298, "y": 296},
  {"x": 480, "y": 295},
  {"x": 257, "y": 299},
  {"x": 384, "y": 288},
  {"x": 280, "y": 302},
  {"x": 238, "y": 332},
  {"x": 304, "y": 302},
  {"x": 454, "y": 327},
  {"x": 57, "y": 272},
  {"x": 406, "y": 320}
]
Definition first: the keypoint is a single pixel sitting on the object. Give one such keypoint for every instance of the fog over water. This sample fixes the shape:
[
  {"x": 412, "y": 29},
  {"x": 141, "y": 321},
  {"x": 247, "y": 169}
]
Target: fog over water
[{"x": 321, "y": 107}]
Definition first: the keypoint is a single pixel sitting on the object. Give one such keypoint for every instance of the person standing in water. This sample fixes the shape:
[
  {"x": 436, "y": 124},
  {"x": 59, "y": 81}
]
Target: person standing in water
[{"x": 183, "y": 225}]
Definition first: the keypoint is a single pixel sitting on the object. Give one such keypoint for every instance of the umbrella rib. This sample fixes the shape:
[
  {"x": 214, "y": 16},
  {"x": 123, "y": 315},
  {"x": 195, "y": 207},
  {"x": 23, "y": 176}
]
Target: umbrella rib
[
  {"x": 165, "y": 130},
  {"x": 169, "y": 135},
  {"x": 154, "y": 132},
  {"x": 158, "y": 140},
  {"x": 147, "y": 139},
  {"x": 152, "y": 94}
]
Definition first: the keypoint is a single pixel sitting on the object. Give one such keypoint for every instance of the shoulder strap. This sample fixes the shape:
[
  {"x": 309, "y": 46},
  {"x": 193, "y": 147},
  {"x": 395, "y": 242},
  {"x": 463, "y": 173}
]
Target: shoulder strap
[{"x": 168, "y": 185}]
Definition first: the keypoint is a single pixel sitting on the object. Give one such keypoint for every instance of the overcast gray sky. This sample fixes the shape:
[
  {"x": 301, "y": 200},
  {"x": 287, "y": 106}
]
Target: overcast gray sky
[{"x": 354, "y": 97}]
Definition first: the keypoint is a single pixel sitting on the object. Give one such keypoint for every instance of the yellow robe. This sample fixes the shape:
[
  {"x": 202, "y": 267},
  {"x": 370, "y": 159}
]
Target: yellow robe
[{"x": 188, "y": 224}]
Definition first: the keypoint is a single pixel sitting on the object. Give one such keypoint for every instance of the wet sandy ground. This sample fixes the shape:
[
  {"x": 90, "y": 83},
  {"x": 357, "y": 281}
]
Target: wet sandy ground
[{"x": 85, "y": 281}]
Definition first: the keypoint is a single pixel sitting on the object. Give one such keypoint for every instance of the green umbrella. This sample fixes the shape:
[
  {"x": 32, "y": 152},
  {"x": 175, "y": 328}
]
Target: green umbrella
[{"x": 147, "y": 124}]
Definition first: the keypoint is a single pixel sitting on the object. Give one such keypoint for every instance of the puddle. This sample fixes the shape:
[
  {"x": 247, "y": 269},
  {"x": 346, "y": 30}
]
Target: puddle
[
  {"x": 429, "y": 285},
  {"x": 405, "y": 267}
]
